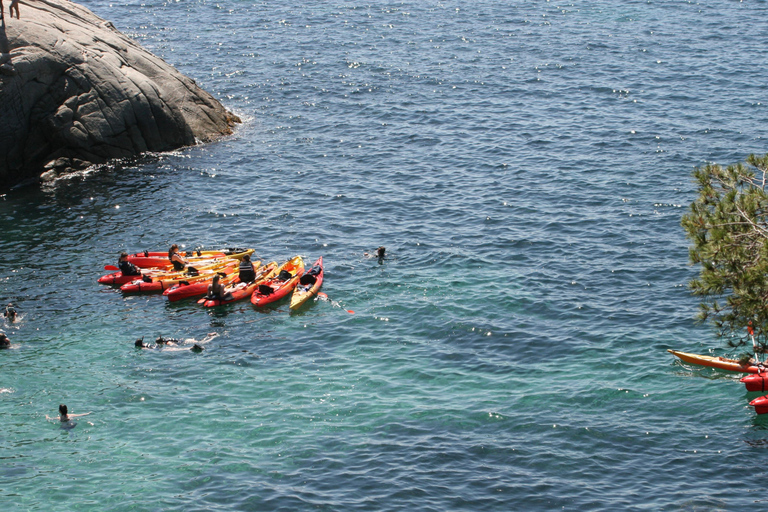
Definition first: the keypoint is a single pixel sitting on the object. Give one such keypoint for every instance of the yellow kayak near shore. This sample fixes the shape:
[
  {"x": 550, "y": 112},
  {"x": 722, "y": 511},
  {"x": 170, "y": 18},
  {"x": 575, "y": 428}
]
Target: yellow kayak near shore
[{"x": 722, "y": 363}]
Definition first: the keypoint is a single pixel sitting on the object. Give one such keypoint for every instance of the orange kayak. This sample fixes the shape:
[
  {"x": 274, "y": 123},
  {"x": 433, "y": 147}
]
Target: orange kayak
[
  {"x": 240, "y": 291},
  {"x": 284, "y": 281},
  {"x": 723, "y": 363},
  {"x": 308, "y": 285},
  {"x": 148, "y": 259},
  {"x": 164, "y": 282},
  {"x": 187, "y": 289}
]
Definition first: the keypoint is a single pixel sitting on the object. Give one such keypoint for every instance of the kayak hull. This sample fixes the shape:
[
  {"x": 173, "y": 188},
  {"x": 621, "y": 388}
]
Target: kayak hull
[
  {"x": 280, "y": 288},
  {"x": 302, "y": 294},
  {"x": 721, "y": 363},
  {"x": 756, "y": 381},
  {"x": 760, "y": 404}
]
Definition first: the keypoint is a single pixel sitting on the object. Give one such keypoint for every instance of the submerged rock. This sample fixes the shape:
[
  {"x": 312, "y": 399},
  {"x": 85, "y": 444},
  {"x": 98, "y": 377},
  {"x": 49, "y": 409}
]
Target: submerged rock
[{"x": 74, "y": 91}]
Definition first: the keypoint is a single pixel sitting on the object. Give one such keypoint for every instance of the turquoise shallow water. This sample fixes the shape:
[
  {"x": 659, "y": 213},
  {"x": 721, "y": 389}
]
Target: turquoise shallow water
[{"x": 525, "y": 164}]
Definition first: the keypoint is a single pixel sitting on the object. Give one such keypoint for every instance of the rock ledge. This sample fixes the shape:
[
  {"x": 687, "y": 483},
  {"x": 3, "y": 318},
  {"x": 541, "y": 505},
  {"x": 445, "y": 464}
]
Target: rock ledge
[{"x": 75, "y": 92}]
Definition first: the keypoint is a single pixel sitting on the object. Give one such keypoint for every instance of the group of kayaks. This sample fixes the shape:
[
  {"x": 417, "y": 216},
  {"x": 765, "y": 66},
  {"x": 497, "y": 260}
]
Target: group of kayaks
[
  {"x": 153, "y": 272},
  {"x": 756, "y": 380}
]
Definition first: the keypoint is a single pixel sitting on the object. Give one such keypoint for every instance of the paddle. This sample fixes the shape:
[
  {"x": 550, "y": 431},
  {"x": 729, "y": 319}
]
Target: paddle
[
  {"x": 751, "y": 332},
  {"x": 110, "y": 267},
  {"x": 325, "y": 297}
]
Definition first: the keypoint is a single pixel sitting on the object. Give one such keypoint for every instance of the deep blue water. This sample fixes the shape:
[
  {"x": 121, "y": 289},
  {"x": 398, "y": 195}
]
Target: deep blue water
[{"x": 526, "y": 164}]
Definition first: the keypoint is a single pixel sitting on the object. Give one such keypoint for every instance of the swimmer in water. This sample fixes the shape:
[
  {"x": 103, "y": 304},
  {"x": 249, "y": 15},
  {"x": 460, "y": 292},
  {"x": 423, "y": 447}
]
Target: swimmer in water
[
  {"x": 380, "y": 254},
  {"x": 10, "y": 313},
  {"x": 4, "y": 341},
  {"x": 167, "y": 341},
  {"x": 175, "y": 342},
  {"x": 140, "y": 343},
  {"x": 64, "y": 416}
]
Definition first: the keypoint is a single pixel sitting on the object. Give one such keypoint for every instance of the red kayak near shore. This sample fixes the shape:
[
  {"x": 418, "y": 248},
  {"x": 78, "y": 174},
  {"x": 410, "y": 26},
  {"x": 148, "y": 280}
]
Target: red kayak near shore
[{"x": 279, "y": 286}]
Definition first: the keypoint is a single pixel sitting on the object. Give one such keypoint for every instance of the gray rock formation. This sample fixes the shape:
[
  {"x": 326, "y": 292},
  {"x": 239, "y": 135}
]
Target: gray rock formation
[{"x": 75, "y": 92}]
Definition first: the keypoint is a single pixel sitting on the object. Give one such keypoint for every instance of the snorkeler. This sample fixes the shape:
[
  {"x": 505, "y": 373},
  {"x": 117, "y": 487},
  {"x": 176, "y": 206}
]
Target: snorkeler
[
  {"x": 380, "y": 254},
  {"x": 10, "y": 313},
  {"x": 168, "y": 341},
  {"x": 176, "y": 342},
  {"x": 4, "y": 341},
  {"x": 140, "y": 343}
]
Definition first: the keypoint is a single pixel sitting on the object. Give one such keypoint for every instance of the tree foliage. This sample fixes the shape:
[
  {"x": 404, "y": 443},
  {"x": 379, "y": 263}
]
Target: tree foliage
[{"x": 728, "y": 225}]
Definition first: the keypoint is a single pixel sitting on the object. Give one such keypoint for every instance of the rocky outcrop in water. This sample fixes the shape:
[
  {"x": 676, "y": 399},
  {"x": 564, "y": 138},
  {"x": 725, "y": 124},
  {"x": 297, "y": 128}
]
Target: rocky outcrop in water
[{"x": 74, "y": 91}]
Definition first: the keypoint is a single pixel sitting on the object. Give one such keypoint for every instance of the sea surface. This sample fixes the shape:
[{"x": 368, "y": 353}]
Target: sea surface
[{"x": 525, "y": 163}]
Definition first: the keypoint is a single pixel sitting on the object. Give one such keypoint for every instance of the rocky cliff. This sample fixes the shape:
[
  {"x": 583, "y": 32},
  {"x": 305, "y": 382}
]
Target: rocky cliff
[{"x": 74, "y": 92}]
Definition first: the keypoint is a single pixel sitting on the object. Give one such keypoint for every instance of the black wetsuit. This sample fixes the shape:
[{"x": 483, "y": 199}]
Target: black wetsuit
[{"x": 128, "y": 268}]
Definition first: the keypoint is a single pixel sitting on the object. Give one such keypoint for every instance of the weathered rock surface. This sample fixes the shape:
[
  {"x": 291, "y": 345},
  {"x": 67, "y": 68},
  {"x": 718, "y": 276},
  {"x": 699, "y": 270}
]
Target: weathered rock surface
[{"x": 75, "y": 92}]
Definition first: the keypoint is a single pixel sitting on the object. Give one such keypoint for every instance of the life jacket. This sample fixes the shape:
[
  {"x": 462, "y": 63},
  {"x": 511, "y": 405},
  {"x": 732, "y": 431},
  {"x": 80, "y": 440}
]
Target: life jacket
[
  {"x": 128, "y": 268},
  {"x": 247, "y": 274},
  {"x": 177, "y": 265}
]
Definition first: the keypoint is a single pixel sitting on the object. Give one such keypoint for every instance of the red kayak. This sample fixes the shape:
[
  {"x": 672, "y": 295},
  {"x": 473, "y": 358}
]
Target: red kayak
[
  {"x": 281, "y": 285},
  {"x": 240, "y": 291},
  {"x": 117, "y": 278},
  {"x": 187, "y": 289},
  {"x": 760, "y": 404},
  {"x": 756, "y": 381},
  {"x": 165, "y": 281},
  {"x": 148, "y": 259}
]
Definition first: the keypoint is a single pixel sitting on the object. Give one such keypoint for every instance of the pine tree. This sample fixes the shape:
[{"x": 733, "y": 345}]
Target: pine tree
[{"x": 728, "y": 225}]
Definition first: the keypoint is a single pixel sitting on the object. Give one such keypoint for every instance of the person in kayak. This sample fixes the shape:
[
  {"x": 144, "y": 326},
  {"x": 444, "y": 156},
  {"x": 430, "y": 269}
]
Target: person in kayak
[
  {"x": 247, "y": 272},
  {"x": 126, "y": 267},
  {"x": 4, "y": 341},
  {"x": 179, "y": 263},
  {"x": 216, "y": 290}
]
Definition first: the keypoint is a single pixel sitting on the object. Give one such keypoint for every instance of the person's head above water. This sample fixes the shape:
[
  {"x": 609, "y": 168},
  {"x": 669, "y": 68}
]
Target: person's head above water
[
  {"x": 140, "y": 343},
  {"x": 380, "y": 251},
  {"x": 4, "y": 341},
  {"x": 63, "y": 411}
]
